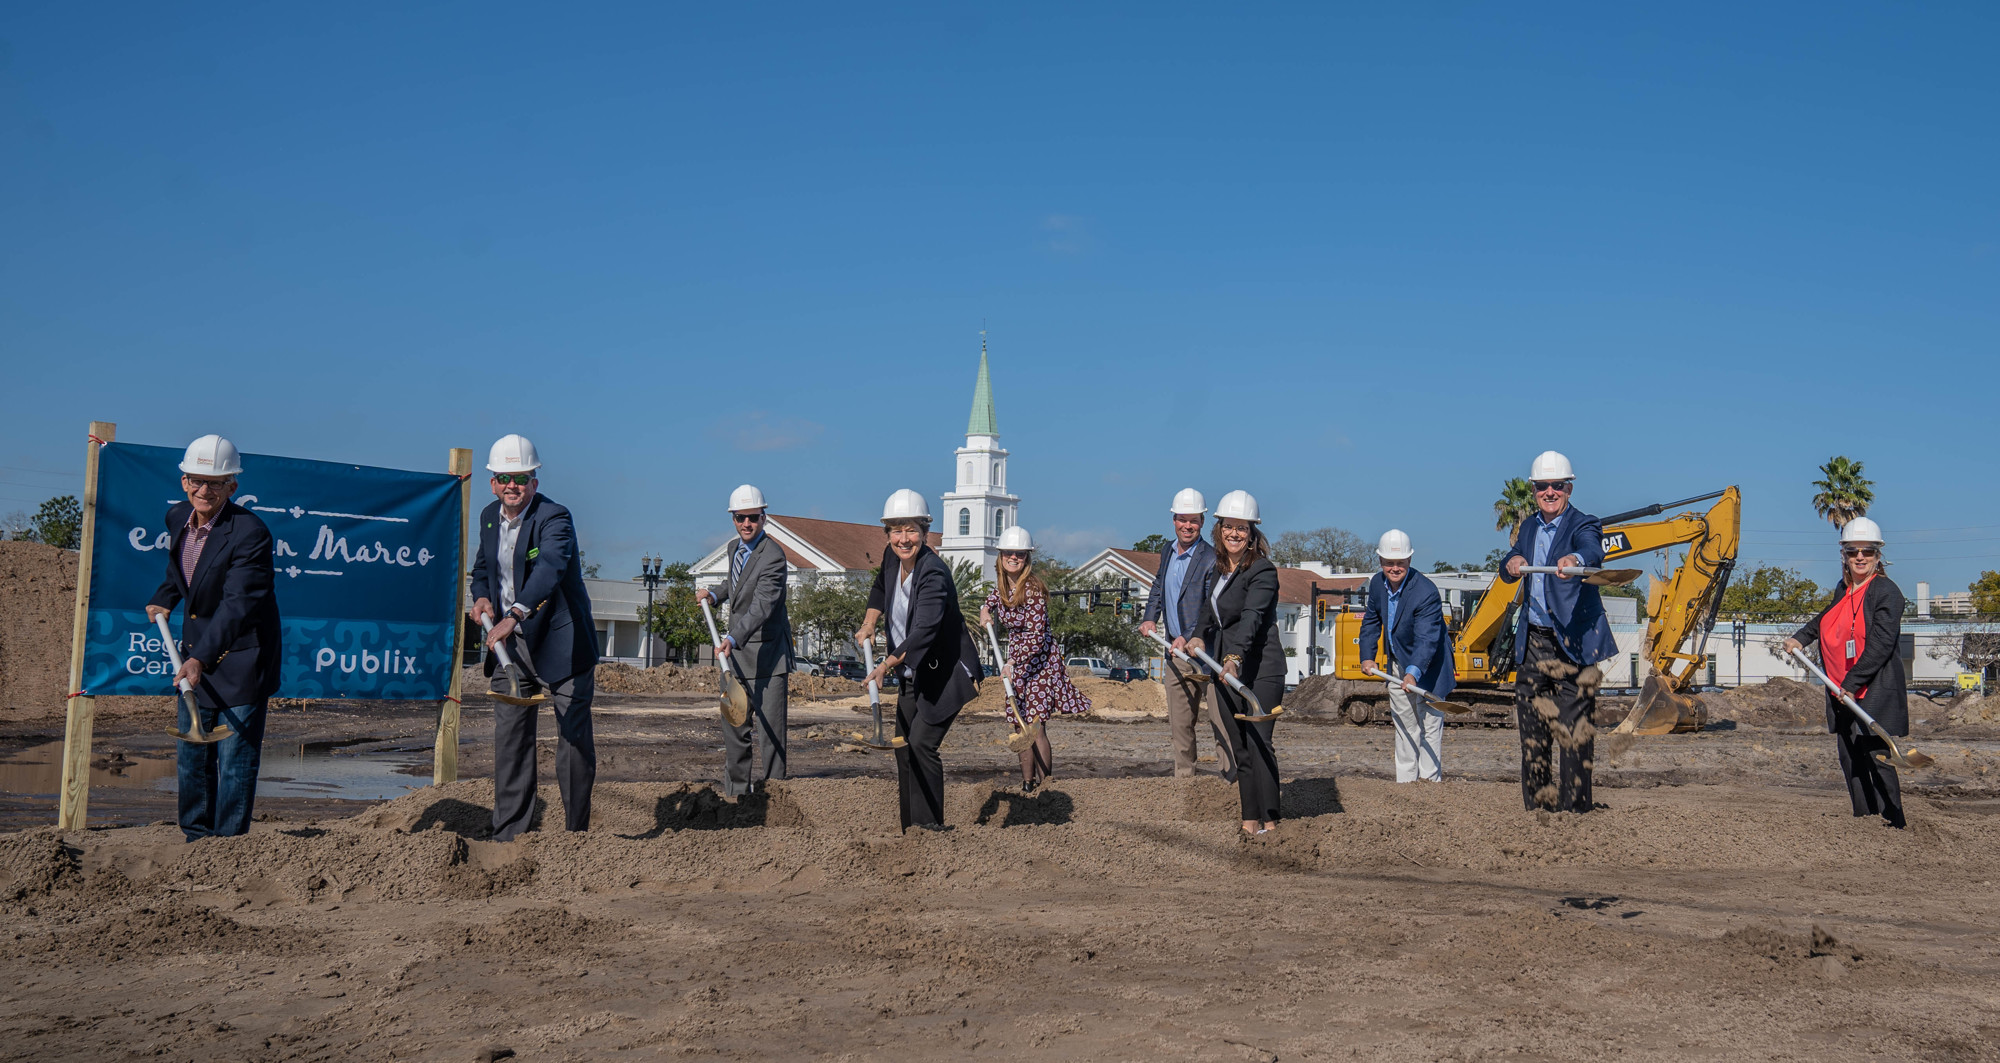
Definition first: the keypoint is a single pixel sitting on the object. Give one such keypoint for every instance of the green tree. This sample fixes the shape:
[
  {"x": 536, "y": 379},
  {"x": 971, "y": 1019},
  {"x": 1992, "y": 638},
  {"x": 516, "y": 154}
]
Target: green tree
[
  {"x": 1770, "y": 591},
  {"x": 676, "y": 619},
  {"x": 1844, "y": 493},
  {"x": 1151, "y": 544},
  {"x": 1515, "y": 504},
  {"x": 1986, "y": 593},
  {"x": 972, "y": 587},
  {"x": 827, "y": 610},
  {"x": 58, "y": 523},
  {"x": 1105, "y": 631}
]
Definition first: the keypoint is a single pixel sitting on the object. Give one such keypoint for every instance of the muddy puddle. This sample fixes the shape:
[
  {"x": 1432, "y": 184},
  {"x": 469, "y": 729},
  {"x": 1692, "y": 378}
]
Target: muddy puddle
[{"x": 31, "y": 778}]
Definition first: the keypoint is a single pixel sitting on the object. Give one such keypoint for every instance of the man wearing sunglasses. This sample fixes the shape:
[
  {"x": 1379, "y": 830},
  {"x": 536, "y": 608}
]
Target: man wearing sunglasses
[
  {"x": 1560, "y": 636},
  {"x": 528, "y": 561},
  {"x": 759, "y": 641},
  {"x": 231, "y": 640}
]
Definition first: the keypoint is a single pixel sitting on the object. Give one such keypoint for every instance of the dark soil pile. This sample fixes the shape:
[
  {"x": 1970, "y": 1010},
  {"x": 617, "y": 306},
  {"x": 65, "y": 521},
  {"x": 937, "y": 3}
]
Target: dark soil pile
[
  {"x": 37, "y": 612},
  {"x": 1776, "y": 702}
]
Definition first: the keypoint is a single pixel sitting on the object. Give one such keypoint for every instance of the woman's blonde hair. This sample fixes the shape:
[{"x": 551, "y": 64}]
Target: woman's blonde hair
[
  {"x": 1015, "y": 590},
  {"x": 1257, "y": 547}
]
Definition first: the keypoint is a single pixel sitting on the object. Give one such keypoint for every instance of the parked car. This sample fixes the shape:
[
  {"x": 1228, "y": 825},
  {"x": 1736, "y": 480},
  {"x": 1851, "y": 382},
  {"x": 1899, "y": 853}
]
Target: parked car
[
  {"x": 808, "y": 666},
  {"x": 1096, "y": 665},
  {"x": 844, "y": 667},
  {"x": 1127, "y": 675}
]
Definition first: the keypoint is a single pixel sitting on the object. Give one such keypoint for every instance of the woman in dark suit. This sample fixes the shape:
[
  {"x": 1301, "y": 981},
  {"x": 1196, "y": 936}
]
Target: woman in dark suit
[
  {"x": 1239, "y": 625},
  {"x": 930, "y": 650},
  {"x": 1858, "y": 635}
]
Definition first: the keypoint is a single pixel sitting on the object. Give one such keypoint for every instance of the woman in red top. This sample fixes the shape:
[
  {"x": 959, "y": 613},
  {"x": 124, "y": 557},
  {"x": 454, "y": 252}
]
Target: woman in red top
[
  {"x": 1858, "y": 634},
  {"x": 1020, "y": 602}
]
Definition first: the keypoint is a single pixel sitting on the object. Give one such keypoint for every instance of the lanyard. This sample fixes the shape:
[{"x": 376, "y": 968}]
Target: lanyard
[{"x": 1857, "y": 596}]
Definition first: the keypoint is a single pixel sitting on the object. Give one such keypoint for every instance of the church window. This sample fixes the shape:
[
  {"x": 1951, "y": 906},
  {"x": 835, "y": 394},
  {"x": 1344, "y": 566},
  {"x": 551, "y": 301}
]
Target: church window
[
  {"x": 999, "y": 521},
  {"x": 996, "y": 473},
  {"x": 968, "y": 472},
  {"x": 965, "y": 522}
]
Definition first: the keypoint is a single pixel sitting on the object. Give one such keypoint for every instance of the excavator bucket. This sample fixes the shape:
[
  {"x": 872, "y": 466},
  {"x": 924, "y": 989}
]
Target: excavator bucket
[{"x": 1662, "y": 711}]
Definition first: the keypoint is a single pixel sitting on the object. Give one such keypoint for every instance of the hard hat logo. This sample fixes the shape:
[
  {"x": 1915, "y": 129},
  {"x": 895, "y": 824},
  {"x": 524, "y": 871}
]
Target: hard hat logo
[
  {"x": 212, "y": 455},
  {"x": 513, "y": 453},
  {"x": 1238, "y": 505},
  {"x": 1189, "y": 503},
  {"x": 1550, "y": 465},
  {"x": 1394, "y": 546}
]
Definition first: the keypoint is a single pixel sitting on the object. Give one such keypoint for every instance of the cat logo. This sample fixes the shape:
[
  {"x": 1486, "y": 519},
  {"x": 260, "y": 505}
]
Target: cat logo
[{"x": 1615, "y": 543}]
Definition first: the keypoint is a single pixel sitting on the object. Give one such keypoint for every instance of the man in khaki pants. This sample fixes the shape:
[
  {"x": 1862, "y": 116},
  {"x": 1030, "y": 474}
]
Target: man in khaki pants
[{"x": 1178, "y": 587}]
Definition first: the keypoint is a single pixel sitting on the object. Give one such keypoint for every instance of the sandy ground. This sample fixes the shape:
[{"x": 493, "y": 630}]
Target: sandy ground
[{"x": 1721, "y": 904}]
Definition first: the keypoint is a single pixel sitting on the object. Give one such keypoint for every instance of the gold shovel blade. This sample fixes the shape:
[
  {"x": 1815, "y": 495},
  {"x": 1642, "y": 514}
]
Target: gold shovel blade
[
  {"x": 1455, "y": 708},
  {"x": 203, "y": 738},
  {"x": 1613, "y": 577},
  {"x": 735, "y": 703}
]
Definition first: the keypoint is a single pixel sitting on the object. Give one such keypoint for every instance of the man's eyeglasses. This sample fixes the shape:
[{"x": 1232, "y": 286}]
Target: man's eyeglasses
[
  {"x": 1858, "y": 551},
  {"x": 207, "y": 487},
  {"x": 746, "y": 518},
  {"x": 522, "y": 478},
  {"x": 1550, "y": 485}
]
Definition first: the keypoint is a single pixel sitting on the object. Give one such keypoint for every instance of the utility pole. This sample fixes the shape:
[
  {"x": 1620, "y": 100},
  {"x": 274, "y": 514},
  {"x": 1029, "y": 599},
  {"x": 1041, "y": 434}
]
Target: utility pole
[{"x": 1739, "y": 632}]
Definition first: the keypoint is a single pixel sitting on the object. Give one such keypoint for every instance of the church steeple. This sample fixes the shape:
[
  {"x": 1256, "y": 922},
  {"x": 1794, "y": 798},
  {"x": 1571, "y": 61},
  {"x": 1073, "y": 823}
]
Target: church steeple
[{"x": 982, "y": 422}]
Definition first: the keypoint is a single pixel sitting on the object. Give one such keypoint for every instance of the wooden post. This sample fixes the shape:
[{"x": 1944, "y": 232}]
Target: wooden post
[
  {"x": 444, "y": 758},
  {"x": 74, "y": 804}
]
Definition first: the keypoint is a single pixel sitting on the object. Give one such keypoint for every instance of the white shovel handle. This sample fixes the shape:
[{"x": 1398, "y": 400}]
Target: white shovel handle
[
  {"x": 714, "y": 638},
  {"x": 1564, "y": 570},
  {"x": 1005, "y": 683},
  {"x": 173, "y": 651},
  {"x": 1169, "y": 647},
  {"x": 868, "y": 662},
  {"x": 1234, "y": 683},
  {"x": 499, "y": 648},
  {"x": 1846, "y": 698}
]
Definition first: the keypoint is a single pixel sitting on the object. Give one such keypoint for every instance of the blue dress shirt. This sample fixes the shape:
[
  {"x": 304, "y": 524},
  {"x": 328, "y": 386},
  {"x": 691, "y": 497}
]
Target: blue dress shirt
[
  {"x": 1177, "y": 566},
  {"x": 1538, "y": 585}
]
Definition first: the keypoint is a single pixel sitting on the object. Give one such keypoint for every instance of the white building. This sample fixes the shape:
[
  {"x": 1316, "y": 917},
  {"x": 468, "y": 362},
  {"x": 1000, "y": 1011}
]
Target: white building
[{"x": 979, "y": 507}]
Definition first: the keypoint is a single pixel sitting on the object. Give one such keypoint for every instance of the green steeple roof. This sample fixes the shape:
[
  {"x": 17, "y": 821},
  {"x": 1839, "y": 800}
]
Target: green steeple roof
[{"x": 983, "y": 422}]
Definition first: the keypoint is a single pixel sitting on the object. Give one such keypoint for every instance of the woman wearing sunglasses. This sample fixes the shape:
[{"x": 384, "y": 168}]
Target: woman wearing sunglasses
[
  {"x": 1858, "y": 634},
  {"x": 1020, "y": 601},
  {"x": 1239, "y": 626}
]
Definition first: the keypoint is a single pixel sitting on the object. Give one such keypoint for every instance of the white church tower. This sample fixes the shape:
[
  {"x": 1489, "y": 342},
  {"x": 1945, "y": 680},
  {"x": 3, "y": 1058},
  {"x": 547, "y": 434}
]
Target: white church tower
[{"x": 979, "y": 507}]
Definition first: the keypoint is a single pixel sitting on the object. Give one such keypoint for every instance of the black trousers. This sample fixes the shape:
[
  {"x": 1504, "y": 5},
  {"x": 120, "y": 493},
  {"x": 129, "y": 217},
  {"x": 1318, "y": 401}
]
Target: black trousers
[
  {"x": 769, "y": 703},
  {"x": 1558, "y": 739},
  {"x": 514, "y": 752},
  {"x": 1256, "y": 760},
  {"x": 919, "y": 767},
  {"x": 1873, "y": 787}
]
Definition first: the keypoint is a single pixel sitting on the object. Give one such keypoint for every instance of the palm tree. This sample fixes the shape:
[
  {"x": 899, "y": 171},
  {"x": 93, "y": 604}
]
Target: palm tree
[
  {"x": 1516, "y": 503},
  {"x": 1844, "y": 494},
  {"x": 972, "y": 587}
]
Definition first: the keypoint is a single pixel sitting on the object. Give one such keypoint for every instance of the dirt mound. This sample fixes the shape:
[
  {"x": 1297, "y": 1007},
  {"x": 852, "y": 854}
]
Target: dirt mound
[
  {"x": 1776, "y": 702},
  {"x": 824, "y": 686},
  {"x": 1975, "y": 709},
  {"x": 35, "y": 863},
  {"x": 37, "y": 612},
  {"x": 1109, "y": 699},
  {"x": 173, "y": 927},
  {"x": 659, "y": 679}
]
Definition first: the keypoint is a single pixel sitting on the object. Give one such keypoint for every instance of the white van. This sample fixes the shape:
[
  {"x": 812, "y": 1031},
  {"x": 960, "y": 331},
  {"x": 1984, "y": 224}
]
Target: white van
[{"x": 1098, "y": 667}]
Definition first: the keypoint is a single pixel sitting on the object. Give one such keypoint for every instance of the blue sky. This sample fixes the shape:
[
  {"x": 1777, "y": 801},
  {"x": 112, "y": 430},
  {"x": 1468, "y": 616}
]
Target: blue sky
[{"x": 1364, "y": 263}]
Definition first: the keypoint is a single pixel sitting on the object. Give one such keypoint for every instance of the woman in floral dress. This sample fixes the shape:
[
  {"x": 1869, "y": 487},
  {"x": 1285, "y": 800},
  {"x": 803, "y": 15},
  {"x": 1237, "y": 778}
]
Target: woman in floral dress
[{"x": 1020, "y": 602}]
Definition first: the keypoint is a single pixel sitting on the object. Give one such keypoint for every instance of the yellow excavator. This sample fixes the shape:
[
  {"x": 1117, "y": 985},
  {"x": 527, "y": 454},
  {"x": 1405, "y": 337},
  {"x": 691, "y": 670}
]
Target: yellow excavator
[{"x": 1680, "y": 612}]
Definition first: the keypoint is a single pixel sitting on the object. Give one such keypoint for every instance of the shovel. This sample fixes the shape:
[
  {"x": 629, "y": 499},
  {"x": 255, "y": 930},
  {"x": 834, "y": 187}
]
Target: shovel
[
  {"x": 735, "y": 704},
  {"x": 184, "y": 693},
  {"x": 1022, "y": 738},
  {"x": 882, "y": 741},
  {"x": 1896, "y": 755},
  {"x": 1435, "y": 702},
  {"x": 507, "y": 662},
  {"x": 1596, "y": 577},
  {"x": 1256, "y": 713}
]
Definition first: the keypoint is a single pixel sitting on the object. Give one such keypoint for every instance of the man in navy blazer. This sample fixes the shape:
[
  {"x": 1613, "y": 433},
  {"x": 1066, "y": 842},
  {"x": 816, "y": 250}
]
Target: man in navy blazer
[
  {"x": 527, "y": 563},
  {"x": 1562, "y": 635},
  {"x": 1178, "y": 587},
  {"x": 231, "y": 641},
  {"x": 1406, "y": 616}
]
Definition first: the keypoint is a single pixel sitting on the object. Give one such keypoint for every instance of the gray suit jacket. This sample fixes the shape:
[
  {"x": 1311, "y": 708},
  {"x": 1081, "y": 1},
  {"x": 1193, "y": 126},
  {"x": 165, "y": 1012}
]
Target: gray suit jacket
[{"x": 758, "y": 624}]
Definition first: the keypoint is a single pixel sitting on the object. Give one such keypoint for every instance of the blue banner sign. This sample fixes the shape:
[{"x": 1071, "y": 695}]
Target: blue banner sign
[{"x": 367, "y": 573}]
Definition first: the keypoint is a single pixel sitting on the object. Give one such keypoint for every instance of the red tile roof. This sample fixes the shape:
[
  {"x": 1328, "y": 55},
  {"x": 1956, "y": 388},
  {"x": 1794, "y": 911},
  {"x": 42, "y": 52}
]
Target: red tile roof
[{"x": 855, "y": 547}]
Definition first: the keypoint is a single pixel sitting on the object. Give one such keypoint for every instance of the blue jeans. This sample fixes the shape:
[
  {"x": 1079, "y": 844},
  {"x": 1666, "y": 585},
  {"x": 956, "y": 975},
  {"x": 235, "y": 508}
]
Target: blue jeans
[{"x": 218, "y": 781}]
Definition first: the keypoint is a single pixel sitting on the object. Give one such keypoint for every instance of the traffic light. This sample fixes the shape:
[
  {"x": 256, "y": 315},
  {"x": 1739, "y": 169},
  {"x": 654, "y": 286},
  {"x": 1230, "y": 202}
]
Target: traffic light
[{"x": 1319, "y": 610}]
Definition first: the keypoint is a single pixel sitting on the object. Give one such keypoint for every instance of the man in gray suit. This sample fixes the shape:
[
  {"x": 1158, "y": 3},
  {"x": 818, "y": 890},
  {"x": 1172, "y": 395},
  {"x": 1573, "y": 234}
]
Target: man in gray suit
[{"x": 759, "y": 641}]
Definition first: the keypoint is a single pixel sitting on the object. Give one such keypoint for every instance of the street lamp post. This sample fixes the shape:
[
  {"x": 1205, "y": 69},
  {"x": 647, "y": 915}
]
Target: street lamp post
[{"x": 650, "y": 570}]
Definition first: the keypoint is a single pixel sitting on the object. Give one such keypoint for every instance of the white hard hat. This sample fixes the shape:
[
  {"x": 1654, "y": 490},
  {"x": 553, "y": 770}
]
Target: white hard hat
[
  {"x": 1861, "y": 530},
  {"x": 1189, "y": 500},
  {"x": 1016, "y": 538},
  {"x": 1393, "y": 546},
  {"x": 513, "y": 453},
  {"x": 905, "y": 505},
  {"x": 745, "y": 497},
  {"x": 212, "y": 456},
  {"x": 1237, "y": 505},
  {"x": 1550, "y": 465}
]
